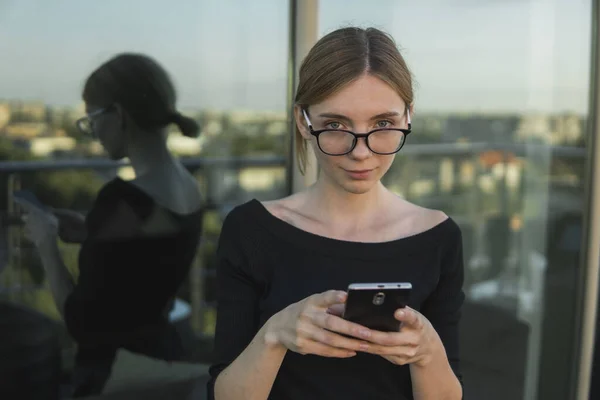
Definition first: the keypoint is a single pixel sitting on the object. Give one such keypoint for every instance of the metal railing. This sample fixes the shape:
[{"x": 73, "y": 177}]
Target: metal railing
[{"x": 14, "y": 170}]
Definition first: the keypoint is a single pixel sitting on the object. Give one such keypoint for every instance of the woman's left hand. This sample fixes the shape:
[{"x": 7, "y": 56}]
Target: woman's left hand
[
  {"x": 416, "y": 343},
  {"x": 40, "y": 226}
]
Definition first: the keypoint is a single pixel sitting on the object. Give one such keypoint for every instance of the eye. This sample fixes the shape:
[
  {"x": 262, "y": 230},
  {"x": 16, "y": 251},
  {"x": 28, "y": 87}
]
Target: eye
[
  {"x": 334, "y": 125},
  {"x": 384, "y": 124}
]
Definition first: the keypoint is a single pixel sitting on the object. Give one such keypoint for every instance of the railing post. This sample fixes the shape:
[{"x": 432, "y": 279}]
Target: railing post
[
  {"x": 197, "y": 290},
  {"x": 13, "y": 240}
]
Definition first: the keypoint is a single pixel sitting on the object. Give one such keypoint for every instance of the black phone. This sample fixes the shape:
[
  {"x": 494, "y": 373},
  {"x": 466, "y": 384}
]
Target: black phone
[{"x": 373, "y": 304}]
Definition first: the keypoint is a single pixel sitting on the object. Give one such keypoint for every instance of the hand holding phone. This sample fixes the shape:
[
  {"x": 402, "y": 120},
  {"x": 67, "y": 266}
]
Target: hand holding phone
[
  {"x": 373, "y": 305},
  {"x": 71, "y": 225}
]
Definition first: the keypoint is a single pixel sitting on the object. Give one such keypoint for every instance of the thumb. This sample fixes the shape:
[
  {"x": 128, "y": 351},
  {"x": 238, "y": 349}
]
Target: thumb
[{"x": 407, "y": 316}]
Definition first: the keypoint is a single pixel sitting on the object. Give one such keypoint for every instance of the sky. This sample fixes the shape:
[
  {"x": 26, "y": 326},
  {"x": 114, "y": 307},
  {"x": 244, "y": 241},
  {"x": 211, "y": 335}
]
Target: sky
[{"x": 466, "y": 55}]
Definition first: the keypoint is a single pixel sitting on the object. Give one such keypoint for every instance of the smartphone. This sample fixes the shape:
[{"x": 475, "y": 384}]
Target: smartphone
[
  {"x": 373, "y": 304},
  {"x": 29, "y": 197}
]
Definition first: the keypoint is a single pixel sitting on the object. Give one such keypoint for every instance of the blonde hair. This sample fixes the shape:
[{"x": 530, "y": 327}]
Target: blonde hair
[{"x": 341, "y": 57}]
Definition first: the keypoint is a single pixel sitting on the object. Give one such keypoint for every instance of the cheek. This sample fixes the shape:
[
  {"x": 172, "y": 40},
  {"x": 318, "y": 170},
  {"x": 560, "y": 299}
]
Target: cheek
[
  {"x": 108, "y": 134},
  {"x": 326, "y": 162},
  {"x": 385, "y": 162}
]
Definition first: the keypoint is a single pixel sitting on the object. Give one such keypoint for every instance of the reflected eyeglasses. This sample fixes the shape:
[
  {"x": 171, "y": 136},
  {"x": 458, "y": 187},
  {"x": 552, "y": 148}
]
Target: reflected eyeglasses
[
  {"x": 86, "y": 124},
  {"x": 339, "y": 142}
]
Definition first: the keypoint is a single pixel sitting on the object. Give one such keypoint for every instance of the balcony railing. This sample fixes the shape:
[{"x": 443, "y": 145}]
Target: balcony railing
[
  {"x": 199, "y": 273},
  {"x": 14, "y": 170}
]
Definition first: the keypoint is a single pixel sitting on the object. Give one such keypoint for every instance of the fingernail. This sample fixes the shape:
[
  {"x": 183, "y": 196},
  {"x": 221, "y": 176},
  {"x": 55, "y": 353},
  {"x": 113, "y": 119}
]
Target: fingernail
[
  {"x": 351, "y": 353},
  {"x": 401, "y": 314},
  {"x": 364, "y": 346},
  {"x": 365, "y": 333}
]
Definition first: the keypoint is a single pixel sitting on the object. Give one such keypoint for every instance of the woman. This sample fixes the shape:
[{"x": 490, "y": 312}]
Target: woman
[
  {"x": 140, "y": 237},
  {"x": 284, "y": 264}
]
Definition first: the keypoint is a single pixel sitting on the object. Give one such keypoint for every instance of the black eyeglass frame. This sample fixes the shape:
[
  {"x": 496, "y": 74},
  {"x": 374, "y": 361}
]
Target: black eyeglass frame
[
  {"x": 357, "y": 136},
  {"x": 88, "y": 118}
]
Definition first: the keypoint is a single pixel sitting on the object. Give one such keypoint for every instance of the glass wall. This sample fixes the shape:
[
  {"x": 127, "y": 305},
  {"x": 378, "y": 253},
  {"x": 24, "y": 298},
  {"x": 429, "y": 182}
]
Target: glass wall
[
  {"x": 498, "y": 143},
  {"x": 229, "y": 62}
]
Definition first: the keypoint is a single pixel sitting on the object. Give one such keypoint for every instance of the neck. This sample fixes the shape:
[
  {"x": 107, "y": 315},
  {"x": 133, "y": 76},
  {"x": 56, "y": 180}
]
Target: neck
[
  {"x": 335, "y": 205},
  {"x": 148, "y": 152}
]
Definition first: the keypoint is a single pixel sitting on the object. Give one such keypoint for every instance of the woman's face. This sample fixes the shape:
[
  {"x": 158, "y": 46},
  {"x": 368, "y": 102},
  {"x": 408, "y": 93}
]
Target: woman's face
[
  {"x": 107, "y": 125},
  {"x": 366, "y": 104}
]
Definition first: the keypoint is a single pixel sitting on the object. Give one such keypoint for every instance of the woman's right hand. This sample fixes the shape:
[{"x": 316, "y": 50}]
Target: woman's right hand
[
  {"x": 306, "y": 327},
  {"x": 71, "y": 225}
]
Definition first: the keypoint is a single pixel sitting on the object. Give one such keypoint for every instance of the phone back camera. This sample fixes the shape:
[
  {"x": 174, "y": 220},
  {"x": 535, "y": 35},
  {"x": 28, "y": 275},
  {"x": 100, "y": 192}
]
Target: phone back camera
[{"x": 379, "y": 298}]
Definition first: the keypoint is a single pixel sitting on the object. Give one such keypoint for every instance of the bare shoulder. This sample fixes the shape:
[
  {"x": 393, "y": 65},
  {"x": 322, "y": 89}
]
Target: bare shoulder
[
  {"x": 285, "y": 208},
  {"x": 417, "y": 219}
]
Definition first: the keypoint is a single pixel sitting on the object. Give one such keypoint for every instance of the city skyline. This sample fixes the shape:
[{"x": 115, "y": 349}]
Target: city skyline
[{"x": 233, "y": 54}]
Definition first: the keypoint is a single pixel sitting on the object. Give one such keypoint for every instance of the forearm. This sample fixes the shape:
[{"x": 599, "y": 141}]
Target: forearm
[
  {"x": 251, "y": 375},
  {"x": 59, "y": 278},
  {"x": 435, "y": 380}
]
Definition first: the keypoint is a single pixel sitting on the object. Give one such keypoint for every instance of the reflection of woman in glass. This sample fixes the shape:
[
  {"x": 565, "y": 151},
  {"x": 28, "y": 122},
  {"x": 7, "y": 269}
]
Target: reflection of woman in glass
[
  {"x": 283, "y": 265},
  {"x": 140, "y": 237}
]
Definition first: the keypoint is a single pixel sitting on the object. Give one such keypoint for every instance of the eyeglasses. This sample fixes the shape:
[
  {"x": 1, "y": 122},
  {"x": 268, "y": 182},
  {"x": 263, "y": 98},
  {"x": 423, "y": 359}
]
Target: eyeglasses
[
  {"x": 339, "y": 142},
  {"x": 86, "y": 124}
]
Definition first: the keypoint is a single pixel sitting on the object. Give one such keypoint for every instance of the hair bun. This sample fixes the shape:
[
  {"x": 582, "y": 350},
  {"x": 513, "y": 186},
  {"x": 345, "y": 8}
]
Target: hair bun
[{"x": 187, "y": 126}]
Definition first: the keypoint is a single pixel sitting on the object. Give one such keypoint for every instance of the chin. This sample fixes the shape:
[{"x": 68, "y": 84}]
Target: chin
[{"x": 358, "y": 187}]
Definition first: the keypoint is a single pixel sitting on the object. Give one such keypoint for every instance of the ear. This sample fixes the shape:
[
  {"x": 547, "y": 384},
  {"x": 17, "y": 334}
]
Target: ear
[{"x": 301, "y": 122}]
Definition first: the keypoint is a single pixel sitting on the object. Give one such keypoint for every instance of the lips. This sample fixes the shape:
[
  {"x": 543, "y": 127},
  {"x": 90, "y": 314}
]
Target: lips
[{"x": 359, "y": 174}]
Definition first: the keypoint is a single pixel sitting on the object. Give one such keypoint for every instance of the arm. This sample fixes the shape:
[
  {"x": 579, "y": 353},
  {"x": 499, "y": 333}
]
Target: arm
[
  {"x": 436, "y": 379},
  {"x": 105, "y": 306},
  {"x": 252, "y": 374},
  {"x": 42, "y": 228},
  {"x": 59, "y": 278},
  {"x": 439, "y": 377},
  {"x": 246, "y": 363},
  {"x": 249, "y": 356}
]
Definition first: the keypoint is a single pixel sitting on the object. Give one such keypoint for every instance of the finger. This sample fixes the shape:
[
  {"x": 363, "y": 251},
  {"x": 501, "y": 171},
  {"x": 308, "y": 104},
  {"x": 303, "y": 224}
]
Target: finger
[
  {"x": 314, "y": 347},
  {"x": 404, "y": 352},
  {"x": 328, "y": 298},
  {"x": 339, "y": 325},
  {"x": 388, "y": 338},
  {"x": 336, "y": 309},
  {"x": 333, "y": 339},
  {"x": 408, "y": 316}
]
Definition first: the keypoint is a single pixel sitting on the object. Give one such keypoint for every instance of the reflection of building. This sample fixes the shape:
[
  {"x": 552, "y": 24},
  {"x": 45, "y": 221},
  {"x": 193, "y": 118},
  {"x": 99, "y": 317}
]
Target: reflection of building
[
  {"x": 4, "y": 115},
  {"x": 564, "y": 129},
  {"x": 183, "y": 145},
  {"x": 26, "y": 130},
  {"x": 33, "y": 111},
  {"x": 480, "y": 128},
  {"x": 260, "y": 179},
  {"x": 47, "y": 146}
]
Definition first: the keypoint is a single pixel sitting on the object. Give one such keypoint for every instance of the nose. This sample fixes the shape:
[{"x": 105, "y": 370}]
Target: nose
[{"x": 361, "y": 151}]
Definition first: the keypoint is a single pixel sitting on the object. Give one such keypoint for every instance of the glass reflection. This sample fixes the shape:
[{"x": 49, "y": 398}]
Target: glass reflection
[{"x": 498, "y": 142}]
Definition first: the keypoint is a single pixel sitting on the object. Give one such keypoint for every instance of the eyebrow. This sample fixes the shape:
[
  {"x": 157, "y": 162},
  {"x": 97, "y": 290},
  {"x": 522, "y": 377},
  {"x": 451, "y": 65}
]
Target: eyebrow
[{"x": 388, "y": 114}]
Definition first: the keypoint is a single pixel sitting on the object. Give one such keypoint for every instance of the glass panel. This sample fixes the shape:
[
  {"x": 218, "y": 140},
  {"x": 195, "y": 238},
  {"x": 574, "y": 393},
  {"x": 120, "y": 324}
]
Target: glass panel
[
  {"x": 498, "y": 143},
  {"x": 228, "y": 61}
]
